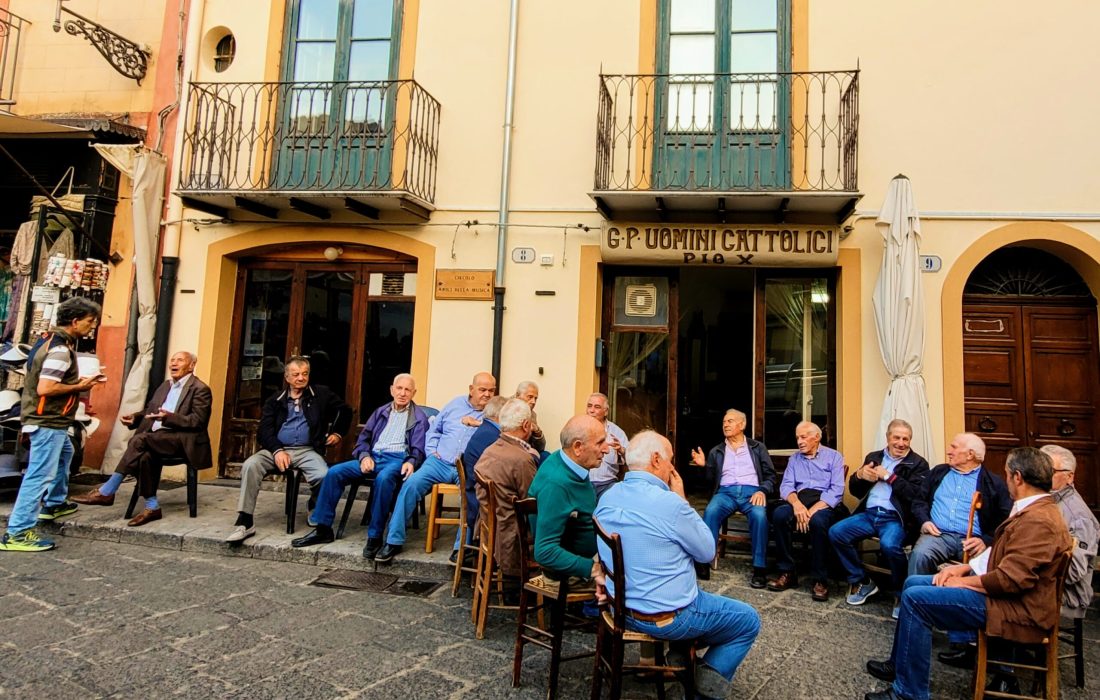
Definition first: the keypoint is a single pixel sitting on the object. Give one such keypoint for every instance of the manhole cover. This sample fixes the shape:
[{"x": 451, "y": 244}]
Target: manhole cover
[
  {"x": 415, "y": 587},
  {"x": 355, "y": 580}
]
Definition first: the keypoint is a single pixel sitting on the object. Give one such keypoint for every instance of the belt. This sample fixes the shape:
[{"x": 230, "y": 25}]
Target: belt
[{"x": 655, "y": 618}]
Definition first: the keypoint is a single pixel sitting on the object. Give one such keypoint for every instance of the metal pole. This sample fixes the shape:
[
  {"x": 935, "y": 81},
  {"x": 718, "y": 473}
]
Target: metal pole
[
  {"x": 505, "y": 178},
  {"x": 168, "y": 267}
]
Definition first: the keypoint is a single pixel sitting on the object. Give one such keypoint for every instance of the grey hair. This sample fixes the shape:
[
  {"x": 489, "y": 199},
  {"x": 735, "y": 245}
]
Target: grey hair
[
  {"x": 297, "y": 360},
  {"x": 513, "y": 414},
  {"x": 975, "y": 444},
  {"x": 1065, "y": 457},
  {"x": 403, "y": 375},
  {"x": 899, "y": 423},
  {"x": 640, "y": 449},
  {"x": 808, "y": 424},
  {"x": 601, "y": 395},
  {"x": 192, "y": 357},
  {"x": 524, "y": 386},
  {"x": 739, "y": 415},
  {"x": 492, "y": 409}
]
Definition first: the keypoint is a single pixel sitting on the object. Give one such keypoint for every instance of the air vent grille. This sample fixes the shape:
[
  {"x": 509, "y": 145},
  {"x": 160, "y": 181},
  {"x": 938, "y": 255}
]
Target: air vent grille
[{"x": 641, "y": 300}]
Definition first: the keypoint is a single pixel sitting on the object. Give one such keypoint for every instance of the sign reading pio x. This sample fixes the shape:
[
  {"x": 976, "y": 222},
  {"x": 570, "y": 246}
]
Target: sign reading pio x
[{"x": 755, "y": 246}]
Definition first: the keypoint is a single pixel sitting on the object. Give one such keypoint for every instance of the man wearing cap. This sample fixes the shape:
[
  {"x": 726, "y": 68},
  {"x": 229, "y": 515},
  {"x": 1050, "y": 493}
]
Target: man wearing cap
[
  {"x": 173, "y": 427},
  {"x": 50, "y": 399}
]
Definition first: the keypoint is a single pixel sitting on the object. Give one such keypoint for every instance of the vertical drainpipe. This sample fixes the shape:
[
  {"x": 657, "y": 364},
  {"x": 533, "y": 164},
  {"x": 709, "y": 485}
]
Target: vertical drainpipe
[{"x": 505, "y": 177}]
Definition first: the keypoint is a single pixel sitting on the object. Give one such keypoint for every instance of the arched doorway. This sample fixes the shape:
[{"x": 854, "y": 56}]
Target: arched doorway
[
  {"x": 352, "y": 316},
  {"x": 1031, "y": 360}
]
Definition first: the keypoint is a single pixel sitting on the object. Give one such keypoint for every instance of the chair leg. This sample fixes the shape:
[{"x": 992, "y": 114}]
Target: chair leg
[
  {"x": 433, "y": 529},
  {"x": 1052, "y": 673},
  {"x": 133, "y": 498},
  {"x": 979, "y": 667},
  {"x": 192, "y": 492},
  {"x": 557, "y": 630},
  {"x": 597, "y": 670},
  {"x": 353, "y": 488},
  {"x": 616, "y": 667},
  {"x": 483, "y": 601},
  {"x": 458, "y": 562},
  {"x": 291, "y": 500},
  {"x": 1078, "y": 653},
  {"x": 521, "y": 622},
  {"x": 370, "y": 499}
]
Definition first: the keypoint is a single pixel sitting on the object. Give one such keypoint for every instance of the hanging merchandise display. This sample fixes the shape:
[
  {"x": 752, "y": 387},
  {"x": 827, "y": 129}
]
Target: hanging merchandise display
[{"x": 65, "y": 278}]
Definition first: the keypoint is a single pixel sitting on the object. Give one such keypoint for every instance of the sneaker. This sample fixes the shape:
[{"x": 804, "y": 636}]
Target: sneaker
[
  {"x": 58, "y": 511},
  {"x": 860, "y": 592},
  {"x": 240, "y": 534},
  {"x": 26, "y": 541},
  {"x": 896, "y": 612}
]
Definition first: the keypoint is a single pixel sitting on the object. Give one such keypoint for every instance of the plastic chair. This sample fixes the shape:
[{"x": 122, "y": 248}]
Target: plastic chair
[{"x": 192, "y": 490}]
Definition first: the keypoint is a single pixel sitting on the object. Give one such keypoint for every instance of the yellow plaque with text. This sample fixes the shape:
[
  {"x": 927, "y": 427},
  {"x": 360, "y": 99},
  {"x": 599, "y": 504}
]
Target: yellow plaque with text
[{"x": 475, "y": 285}]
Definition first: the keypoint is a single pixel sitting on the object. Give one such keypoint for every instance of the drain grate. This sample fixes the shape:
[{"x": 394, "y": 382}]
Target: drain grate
[
  {"x": 414, "y": 587},
  {"x": 354, "y": 580}
]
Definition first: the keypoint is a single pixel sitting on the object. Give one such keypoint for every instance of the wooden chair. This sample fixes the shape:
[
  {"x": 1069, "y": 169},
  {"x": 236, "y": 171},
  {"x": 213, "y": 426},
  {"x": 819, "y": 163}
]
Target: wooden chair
[
  {"x": 1075, "y": 638},
  {"x": 192, "y": 490},
  {"x": 612, "y": 635},
  {"x": 440, "y": 514},
  {"x": 739, "y": 536},
  {"x": 488, "y": 578},
  {"x": 547, "y": 597},
  {"x": 464, "y": 546},
  {"x": 864, "y": 551},
  {"x": 1048, "y": 648}
]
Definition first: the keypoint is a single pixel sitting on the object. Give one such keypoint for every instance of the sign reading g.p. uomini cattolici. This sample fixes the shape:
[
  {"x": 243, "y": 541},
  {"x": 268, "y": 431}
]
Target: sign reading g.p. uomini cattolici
[{"x": 732, "y": 246}]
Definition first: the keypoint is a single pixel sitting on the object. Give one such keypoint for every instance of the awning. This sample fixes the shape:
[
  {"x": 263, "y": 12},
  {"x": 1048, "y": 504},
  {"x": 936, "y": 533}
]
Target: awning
[{"x": 16, "y": 126}]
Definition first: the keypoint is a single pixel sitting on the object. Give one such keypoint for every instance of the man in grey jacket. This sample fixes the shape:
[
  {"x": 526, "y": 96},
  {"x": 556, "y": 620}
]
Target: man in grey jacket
[{"x": 1082, "y": 526}]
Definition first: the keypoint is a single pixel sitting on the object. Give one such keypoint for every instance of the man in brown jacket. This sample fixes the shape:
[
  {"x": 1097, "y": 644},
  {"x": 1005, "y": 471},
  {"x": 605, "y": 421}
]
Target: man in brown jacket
[
  {"x": 510, "y": 463},
  {"x": 1008, "y": 590}
]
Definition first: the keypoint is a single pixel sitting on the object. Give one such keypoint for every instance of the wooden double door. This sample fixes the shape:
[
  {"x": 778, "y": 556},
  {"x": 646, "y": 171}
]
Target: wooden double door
[{"x": 1031, "y": 379}]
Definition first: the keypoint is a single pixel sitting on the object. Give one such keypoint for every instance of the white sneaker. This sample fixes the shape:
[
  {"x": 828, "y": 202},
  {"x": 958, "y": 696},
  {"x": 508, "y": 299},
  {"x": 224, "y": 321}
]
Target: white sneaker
[{"x": 240, "y": 534}]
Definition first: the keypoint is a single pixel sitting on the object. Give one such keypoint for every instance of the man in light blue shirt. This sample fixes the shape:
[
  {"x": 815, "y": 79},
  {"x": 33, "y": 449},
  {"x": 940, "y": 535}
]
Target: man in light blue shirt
[
  {"x": 446, "y": 439},
  {"x": 663, "y": 537}
]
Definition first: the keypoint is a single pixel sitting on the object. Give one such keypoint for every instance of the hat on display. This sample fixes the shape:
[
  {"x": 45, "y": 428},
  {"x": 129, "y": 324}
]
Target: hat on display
[
  {"x": 90, "y": 423},
  {"x": 9, "y": 466},
  {"x": 8, "y": 400},
  {"x": 15, "y": 354}
]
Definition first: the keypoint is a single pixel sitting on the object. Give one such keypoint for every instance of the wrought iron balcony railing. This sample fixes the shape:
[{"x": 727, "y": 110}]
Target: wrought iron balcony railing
[
  {"x": 319, "y": 137},
  {"x": 728, "y": 132},
  {"x": 11, "y": 26}
]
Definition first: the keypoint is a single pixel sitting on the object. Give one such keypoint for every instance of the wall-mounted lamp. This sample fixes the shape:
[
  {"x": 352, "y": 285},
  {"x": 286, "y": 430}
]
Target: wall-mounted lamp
[{"x": 332, "y": 252}]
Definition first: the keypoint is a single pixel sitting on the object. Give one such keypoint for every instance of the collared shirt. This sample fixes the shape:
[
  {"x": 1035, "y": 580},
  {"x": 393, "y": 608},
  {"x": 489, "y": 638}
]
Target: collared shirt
[
  {"x": 392, "y": 437},
  {"x": 609, "y": 467},
  {"x": 295, "y": 431},
  {"x": 662, "y": 538},
  {"x": 448, "y": 435},
  {"x": 980, "y": 564},
  {"x": 573, "y": 466},
  {"x": 173, "y": 398},
  {"x": 823, "y": 472},
  {"x": 737, "y": 466},
  {"x": 879, "y": 497},
  {"x": 1025, "y": 502},
  {"x": 951, "y": 502}
]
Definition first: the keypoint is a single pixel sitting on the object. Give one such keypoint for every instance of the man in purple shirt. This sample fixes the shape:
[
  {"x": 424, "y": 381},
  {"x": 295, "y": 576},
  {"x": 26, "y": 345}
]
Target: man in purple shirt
[
  {"x": 446, "y": 439},
  {"x": 812, "y": 486}
]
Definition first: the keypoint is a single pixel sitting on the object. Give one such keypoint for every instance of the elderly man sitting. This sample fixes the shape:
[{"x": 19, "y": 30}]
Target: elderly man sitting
[
  {"x": 1009, "y": 589},
  {"x": 663, "y": 538},
  {"x": 1082, "y": 526},
  {"x": 510, "y": 463}
]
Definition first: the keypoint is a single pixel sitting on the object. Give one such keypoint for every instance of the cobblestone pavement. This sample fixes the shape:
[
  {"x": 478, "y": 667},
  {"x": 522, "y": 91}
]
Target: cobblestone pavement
[{"x": 104, "y": 619}]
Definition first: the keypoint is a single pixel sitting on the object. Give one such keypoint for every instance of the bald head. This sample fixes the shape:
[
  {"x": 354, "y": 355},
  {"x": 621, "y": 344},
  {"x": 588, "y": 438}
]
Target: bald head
[
  {"x": 584, "y": 440},
  {"x": 482, "y": 388}
]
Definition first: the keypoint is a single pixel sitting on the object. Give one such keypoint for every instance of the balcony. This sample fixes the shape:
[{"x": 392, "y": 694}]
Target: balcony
[
  {"x": 310, "y": 151},
  {"x": 11, "y": 27},
  {"x": 749, "y": 148}
]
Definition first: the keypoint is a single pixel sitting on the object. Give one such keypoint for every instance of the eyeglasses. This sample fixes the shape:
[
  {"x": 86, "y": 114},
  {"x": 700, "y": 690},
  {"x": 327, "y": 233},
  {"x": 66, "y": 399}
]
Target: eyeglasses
[{"x": 1068, "y": 471}]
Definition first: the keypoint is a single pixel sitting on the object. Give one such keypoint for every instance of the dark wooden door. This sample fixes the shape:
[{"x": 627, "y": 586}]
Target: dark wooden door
[{"x": 1031, "y": 379}]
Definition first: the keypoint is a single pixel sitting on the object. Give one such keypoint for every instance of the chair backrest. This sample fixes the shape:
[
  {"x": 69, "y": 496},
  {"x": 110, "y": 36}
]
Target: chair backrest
[
  {"x": 615, "y": 573},
  {"x": 461, "y": 489},
  {"x": 525, "y": 508},
  {"x": 488, "y": 516},
  {"x": 1061, "y": 570}
]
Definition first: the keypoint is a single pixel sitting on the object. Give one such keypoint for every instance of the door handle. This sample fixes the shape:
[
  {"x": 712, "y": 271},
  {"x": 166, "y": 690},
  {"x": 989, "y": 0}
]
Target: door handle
[
  {"x": 987, "y": 424},
  {"x": 1066, "y": 427}
]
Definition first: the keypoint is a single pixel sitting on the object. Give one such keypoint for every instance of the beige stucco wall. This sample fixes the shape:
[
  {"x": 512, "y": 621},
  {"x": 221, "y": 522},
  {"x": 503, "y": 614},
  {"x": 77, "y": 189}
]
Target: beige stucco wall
[
  {"x": 60, "y": 73},
  {"x": 974, "y": 104}
]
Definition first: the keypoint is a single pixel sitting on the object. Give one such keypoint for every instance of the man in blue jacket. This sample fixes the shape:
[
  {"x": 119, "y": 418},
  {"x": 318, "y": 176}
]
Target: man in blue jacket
[{"x": 390, "y": 446}]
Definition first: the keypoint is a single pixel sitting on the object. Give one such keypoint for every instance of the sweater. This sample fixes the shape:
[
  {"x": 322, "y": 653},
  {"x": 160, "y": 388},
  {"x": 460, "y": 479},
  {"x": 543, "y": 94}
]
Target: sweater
[{"x": 565, "y": 537}]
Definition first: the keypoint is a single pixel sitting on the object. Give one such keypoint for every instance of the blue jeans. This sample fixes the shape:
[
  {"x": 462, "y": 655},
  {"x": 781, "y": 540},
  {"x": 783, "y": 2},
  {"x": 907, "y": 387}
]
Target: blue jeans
[
  {"x": 47, "y": 476},
  {"x": 387, "y": 476},
  {"x": 927, "y": 555},
  {"x": 873, "y": 522},
  {"x": 727, "y": 626},
  {"x": 729, "y": 499},
  {"x": 433, "y": 471},
  {"x": 924, "y": 606}
]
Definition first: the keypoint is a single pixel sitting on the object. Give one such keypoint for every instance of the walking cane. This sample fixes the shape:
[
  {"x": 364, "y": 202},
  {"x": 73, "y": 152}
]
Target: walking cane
[{"x": 975, "y": 506}]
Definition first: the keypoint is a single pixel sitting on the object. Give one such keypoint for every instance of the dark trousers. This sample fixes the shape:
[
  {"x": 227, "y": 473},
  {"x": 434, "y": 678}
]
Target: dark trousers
[
  {"x": 145, "y": 456},
  {"x": 783, "y": 523},
  {"x": 473, "y": 506}
]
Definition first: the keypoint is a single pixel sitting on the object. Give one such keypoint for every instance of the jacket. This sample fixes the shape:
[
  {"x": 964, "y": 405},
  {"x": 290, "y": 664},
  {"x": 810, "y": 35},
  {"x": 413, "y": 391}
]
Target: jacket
[
  {"x": 996, "y": 503},
  {"x": 905, "y": 485},
  {"x": 1020, "y": 582},
  {"x": 189, "y": 420},
  {"x": 416, "y": 427},
  {"x": 765, "y": 471},
  {"x": 325, "y": 412},
  {"x": 50, "y": 411},
  {"x": 1083, "y": 526},
  {"x": 511, "y": 465}
]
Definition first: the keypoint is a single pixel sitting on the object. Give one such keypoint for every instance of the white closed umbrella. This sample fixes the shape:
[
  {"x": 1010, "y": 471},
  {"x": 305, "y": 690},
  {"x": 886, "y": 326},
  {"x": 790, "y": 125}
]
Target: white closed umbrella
[{"x": 899, "y": 316}]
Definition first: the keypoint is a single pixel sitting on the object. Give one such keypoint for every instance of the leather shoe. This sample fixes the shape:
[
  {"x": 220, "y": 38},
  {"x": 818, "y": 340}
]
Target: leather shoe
[
  {"x": 821, "y": 592},
  {"x": 370, "y": 551},
  {"x": 758, "y": 580},
  {"x": 882, "y": 670},
  {"x": 387, "y": 553},
  {"x": 887, "y": 694},
  {"x": 783, "y": 581},
  {"x": 145, "y": 516},
  {"x": 960, "y": 657},
  {"x": 1003, "y": 683},
  {"x": 94, "y": 498},
  {"x": 320, "y": 535}
]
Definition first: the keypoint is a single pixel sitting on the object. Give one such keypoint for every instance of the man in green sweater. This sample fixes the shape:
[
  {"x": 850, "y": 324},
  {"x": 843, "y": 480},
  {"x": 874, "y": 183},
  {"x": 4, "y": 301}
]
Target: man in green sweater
[{"x": 565, "y": 538}]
